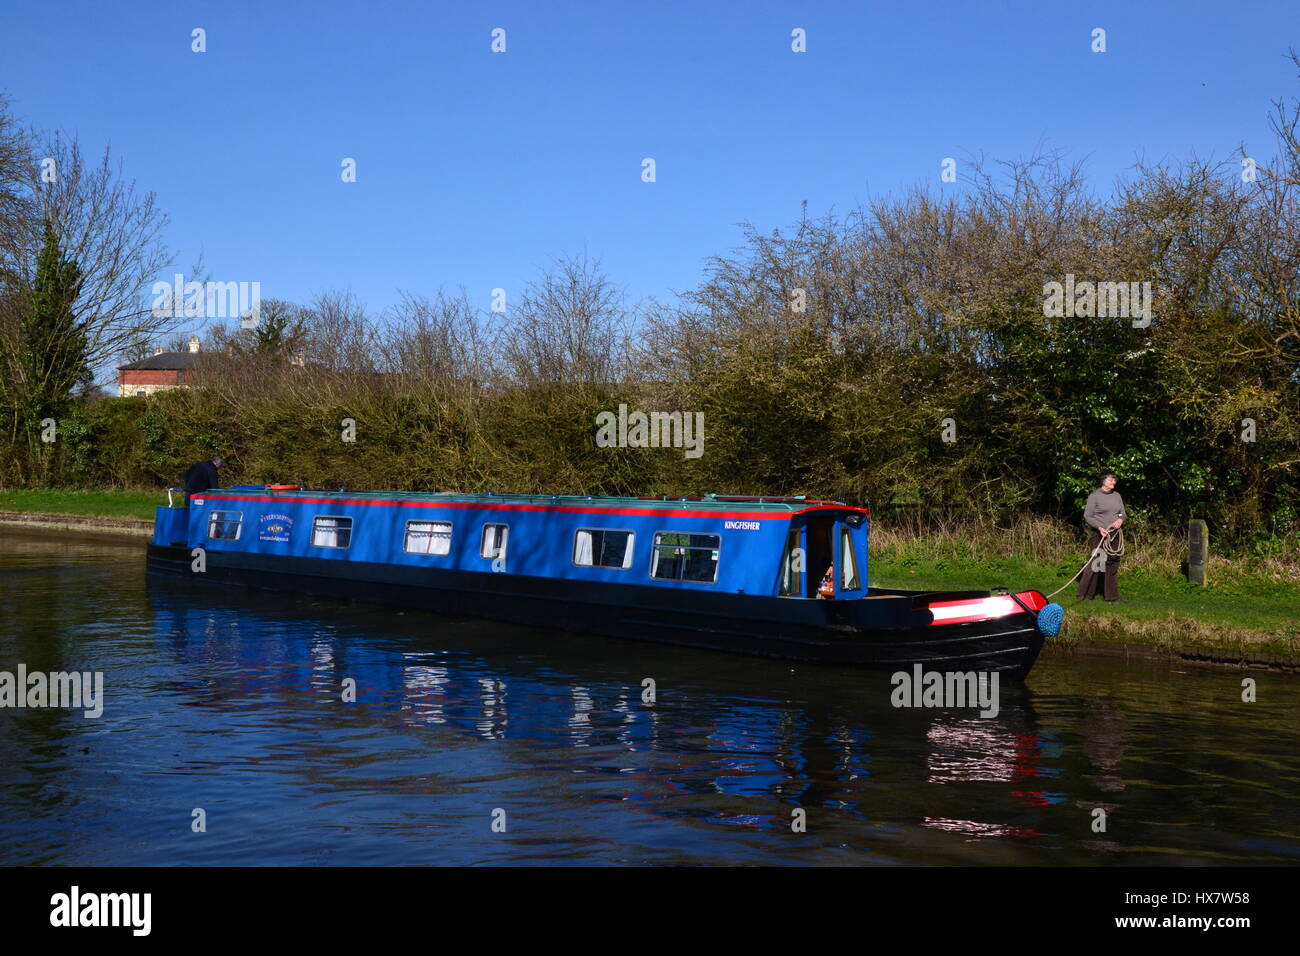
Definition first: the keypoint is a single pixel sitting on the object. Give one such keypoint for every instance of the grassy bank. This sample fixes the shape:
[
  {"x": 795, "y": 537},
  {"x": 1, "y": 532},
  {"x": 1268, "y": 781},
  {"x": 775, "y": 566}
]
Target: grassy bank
[
  {"x": 1249, "y": 612},
  {"x": 107, "y": 504}
]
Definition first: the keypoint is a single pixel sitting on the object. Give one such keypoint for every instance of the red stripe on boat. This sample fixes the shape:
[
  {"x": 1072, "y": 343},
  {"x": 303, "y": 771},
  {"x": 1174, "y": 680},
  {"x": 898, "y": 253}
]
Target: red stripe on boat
[
  {"x": 291, "y": 498},
  {"x": 983, "y": 609}
]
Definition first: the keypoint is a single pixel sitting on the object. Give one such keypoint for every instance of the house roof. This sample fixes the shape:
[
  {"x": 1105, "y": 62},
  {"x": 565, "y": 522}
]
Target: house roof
[{"x": 167, "y": 360}]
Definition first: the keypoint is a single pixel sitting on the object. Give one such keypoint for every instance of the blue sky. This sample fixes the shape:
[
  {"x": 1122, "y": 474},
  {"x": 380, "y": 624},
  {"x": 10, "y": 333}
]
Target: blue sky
[{"x": 476, "y": 168}]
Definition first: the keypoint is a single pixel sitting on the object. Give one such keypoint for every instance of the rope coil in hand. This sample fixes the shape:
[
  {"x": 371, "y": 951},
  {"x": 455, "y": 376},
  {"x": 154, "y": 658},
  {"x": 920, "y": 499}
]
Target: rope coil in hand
[{"x": 1111, "y": 544}]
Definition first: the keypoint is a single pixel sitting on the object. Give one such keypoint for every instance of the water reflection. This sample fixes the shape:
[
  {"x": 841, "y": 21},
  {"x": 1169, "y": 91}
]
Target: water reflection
[
  {"x": 235, "y": 701},
  {"x": 712, "y": 734}
]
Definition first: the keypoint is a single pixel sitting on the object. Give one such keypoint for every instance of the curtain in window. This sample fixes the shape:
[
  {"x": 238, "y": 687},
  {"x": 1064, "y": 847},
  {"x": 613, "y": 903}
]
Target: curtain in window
[
  {"x": 582, "y": 548},
  {"x": 792, "y": 564},
  {"x": 494, "y": 540},
  {"x": 428, "y": 537},
  {"x": 331, "y": 532},
  {"x": 848, "y": 563}
]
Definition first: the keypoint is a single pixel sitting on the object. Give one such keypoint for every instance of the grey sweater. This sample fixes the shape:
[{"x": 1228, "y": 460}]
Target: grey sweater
[{"x": 1103, "y": 508}]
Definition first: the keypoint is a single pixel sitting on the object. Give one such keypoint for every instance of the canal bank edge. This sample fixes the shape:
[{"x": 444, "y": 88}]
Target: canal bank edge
[
  {"x": 1182, "y": 640},
  {"x": 36, "y": 521}
]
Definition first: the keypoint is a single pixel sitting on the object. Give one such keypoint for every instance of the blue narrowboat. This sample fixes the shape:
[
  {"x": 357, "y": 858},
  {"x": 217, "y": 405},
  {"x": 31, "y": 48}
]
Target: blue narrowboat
[{"x": 778, "y": 577}]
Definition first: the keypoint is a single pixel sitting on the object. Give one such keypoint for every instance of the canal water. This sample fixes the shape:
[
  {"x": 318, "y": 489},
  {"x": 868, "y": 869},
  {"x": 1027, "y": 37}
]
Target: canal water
[{"x": 225, "y": 739}]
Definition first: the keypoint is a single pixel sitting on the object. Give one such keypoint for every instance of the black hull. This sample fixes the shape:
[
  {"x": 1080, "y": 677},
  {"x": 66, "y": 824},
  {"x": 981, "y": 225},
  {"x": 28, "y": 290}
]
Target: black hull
[{"x": 883, "y": 631}]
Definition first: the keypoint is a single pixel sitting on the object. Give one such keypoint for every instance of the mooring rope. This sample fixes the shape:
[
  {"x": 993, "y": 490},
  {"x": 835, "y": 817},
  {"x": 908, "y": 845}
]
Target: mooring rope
[{"x": 1111, "y": 544}]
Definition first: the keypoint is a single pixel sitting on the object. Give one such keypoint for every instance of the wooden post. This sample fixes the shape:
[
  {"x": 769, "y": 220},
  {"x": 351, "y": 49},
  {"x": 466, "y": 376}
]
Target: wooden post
[{"x": 1198, "y": 550}]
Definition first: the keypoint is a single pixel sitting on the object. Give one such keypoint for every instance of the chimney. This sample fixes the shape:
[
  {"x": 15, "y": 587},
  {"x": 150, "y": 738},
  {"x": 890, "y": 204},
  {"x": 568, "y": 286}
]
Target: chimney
[
  {"x": 194, "y": 344},
  {"x": 157, "y": 350}
]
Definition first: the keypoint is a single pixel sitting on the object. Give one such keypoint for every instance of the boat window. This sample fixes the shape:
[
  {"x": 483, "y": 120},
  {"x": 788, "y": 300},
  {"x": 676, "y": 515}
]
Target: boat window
[
  {"x": 848, "y": 562},
  {"x": 792, "y": 564},
  {"x": 593, "y": 548},
  {"x": 428, "y": 537},
  {"x": 331, "y": 532},
  {"x": 225, "y": 525},
  {"x": 494, "y": 540},
  {"x": 681, "y": 556}
]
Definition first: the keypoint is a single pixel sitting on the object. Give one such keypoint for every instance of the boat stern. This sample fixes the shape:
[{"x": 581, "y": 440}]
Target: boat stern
[{"x": 171, "y": 526}]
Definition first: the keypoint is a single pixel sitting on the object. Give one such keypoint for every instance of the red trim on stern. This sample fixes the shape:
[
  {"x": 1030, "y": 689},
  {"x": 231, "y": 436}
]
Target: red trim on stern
[{"x": 983, "y": 609}]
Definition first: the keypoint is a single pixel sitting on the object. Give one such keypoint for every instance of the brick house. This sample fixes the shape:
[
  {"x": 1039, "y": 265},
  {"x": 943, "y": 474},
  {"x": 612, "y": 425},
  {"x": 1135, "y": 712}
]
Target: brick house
[{"x": 160, "y": 371}]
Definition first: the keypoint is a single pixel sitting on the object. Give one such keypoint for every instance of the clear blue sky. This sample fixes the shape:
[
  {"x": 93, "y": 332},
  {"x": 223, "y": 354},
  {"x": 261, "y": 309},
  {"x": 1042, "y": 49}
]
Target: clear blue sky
[{"x": 475, "y": 168}]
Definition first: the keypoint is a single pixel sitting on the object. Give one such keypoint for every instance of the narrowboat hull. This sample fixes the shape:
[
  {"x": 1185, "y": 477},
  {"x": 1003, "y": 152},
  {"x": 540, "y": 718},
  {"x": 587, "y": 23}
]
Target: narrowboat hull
[{"x": 887, "y": 629}]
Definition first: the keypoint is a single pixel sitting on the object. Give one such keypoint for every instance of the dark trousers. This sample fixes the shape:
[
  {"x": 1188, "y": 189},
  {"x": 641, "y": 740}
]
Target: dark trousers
[{"x": 1088, "y": 583}]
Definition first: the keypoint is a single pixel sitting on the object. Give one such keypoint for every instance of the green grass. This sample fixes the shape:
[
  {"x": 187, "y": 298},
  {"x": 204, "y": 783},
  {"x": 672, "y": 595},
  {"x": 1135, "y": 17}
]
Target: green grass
[
  {"x": 113, "y": 504},
  {"x": 1272, "y": 606},
  {"x": 1249, "y": 612}
]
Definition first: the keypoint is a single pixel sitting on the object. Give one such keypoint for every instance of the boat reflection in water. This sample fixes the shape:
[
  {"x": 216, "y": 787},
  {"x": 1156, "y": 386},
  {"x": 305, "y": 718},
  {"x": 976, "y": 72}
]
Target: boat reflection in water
[{"x": 723, "y": 740}]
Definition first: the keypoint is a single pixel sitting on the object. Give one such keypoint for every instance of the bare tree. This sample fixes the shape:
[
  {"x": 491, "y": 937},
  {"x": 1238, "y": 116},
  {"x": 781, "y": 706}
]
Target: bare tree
[
  {"x": 435, "y": 344},
  {"x": 338, "y": 333},
  {"x": 113, "y": 234},
  {"x": 1266, "y": 280},
  {"x": 570, "y": 327},
  {"x": 17, "y": 170},
  {"x": 87, "y": 225}
]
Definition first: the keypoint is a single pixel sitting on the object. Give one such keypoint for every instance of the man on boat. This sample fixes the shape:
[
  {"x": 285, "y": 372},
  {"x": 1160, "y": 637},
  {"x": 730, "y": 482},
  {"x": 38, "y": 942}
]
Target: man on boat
[
  {"x": 1104, "y": 513},
  {"x": 201, "y": 477}
]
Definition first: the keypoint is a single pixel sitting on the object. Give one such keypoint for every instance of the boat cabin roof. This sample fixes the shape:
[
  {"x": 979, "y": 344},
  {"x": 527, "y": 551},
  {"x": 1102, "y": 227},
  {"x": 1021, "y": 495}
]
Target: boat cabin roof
[{"x": 719, "y": 504}]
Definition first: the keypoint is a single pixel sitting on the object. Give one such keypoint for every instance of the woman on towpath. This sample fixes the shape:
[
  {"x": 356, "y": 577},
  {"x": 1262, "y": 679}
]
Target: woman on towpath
[{"x": 1104, "y": 514}]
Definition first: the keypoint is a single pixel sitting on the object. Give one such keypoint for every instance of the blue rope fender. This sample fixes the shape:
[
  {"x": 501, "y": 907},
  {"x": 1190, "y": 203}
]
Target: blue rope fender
[{"x": 1049, "y": 620}]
